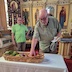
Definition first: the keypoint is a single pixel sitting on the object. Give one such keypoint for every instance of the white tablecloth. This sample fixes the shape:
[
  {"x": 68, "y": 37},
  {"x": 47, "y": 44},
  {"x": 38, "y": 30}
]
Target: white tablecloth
[{"x": 51, "y": 63}]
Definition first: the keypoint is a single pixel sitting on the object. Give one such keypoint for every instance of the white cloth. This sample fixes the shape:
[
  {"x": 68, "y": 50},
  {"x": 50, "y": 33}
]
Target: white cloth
[
  {"x": 51, "y": 63},
  {"x": 55, "y": 39}
]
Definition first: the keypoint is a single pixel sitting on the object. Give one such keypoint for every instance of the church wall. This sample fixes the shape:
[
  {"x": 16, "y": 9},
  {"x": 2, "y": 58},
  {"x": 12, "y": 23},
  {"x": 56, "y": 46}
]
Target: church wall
[
  {"x": 68, "y": 6},
  {"x": 32, "y": 6}
]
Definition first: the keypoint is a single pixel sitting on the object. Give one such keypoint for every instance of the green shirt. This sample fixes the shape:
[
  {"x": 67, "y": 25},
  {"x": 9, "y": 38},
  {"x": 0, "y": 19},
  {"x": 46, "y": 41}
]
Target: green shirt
[
  {"x": 19, "y": 32},
  {"x": 45, "y": 34}
]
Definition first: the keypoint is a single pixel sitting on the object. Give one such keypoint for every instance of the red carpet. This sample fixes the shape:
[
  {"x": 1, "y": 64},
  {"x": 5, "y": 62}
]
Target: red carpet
[{"x": 69, "y": 64}]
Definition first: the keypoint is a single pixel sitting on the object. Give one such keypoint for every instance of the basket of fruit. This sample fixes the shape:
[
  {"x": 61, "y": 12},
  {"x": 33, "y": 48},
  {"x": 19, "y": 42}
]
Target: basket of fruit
[{"x": 23, "y": 57}]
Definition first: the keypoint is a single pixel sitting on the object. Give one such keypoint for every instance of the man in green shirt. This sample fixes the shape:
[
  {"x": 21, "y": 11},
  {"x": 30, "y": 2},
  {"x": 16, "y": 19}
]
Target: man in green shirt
[
  {"x": 46, "y": 29},
  {"x": 19, "y": 34}
]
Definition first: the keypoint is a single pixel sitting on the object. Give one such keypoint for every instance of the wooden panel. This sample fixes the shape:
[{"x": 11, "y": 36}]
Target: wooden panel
[
  {"x": 3, "y": 14},
  {"x": 64, "y": 49}
]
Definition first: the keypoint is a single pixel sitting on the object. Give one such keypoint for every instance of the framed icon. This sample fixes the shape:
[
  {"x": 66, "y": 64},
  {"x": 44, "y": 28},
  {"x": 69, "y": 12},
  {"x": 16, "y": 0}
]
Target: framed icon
[
  {"x": 36, "y": 14},
  {"x": 13, "y": 5},
  {"x": 62, "y": 15},
  {"x": 25, "y": 15}
]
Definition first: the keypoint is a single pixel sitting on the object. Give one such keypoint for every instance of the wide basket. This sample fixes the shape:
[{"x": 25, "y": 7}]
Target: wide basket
[{"x": 34, "y": 59}]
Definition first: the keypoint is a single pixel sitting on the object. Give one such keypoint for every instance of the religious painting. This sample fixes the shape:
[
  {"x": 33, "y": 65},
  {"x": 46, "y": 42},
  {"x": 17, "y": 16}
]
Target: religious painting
[
  {"x": 70, "y": 19},
  {"x": 13, "y": 5},
  {"x": 35, "y": 14},
  {"x": 13, "y": 11},
  {"x": 25, "y": 15},
  {"x": 62, "y": 15}
]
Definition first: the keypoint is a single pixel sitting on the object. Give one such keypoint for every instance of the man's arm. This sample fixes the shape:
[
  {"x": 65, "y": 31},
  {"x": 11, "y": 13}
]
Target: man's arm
[
  {"x": 33, "y": 45},
  {"x": 13, "y": 37},
  {"x": 13, "y": 41},
  {"x": 35, "y": 39},
  {"x": 27, "y": 33},
  {"x": 59, "y": 30},
  {"x": 59, "y": 34},
  {"x": 58, "y": 27}
]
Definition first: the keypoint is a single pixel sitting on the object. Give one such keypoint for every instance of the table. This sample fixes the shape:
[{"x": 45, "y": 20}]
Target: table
[
  {"x": 65, "y": 45},
  {"x": 51, "y": 63}
]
